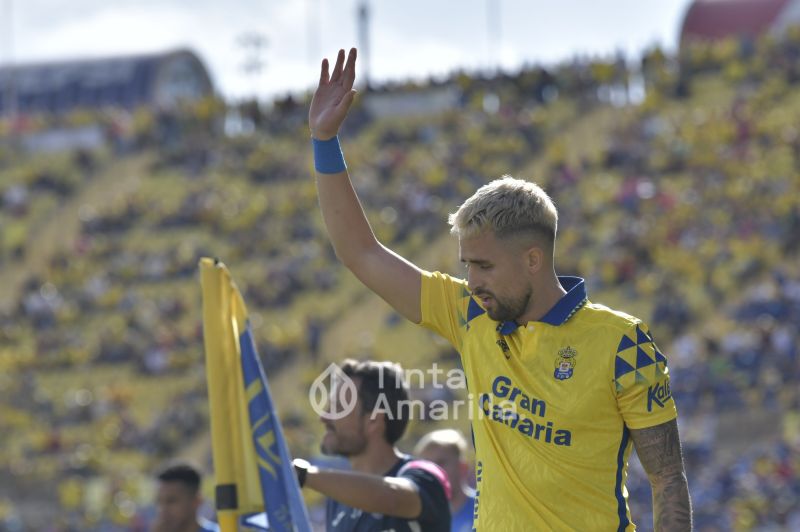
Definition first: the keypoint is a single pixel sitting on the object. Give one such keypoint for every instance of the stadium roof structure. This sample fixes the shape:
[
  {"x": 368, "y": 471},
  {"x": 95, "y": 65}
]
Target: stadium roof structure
[
  {"x": 159, "y": 79},
  {"x": 719, "y": 19}
]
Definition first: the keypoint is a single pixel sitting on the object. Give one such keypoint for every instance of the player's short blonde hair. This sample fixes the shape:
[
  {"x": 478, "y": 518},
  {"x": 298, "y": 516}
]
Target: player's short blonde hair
[
  {"x": 507, "y": 207},
  {"x": 447, "y": 438}
]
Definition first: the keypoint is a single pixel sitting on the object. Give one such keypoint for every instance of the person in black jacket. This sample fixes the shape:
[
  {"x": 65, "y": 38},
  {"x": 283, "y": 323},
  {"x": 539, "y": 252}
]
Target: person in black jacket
[{"x": 385, "y": 490}]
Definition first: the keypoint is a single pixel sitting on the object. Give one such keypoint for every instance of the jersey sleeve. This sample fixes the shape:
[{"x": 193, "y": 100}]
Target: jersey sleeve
[
  {"x": 433, "y": 488},
  {"x": 444, "y": 304},
  {"x": 641, "y": 380}
]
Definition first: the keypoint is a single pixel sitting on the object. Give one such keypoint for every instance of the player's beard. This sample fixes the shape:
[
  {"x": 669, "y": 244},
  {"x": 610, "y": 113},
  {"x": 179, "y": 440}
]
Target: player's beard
[
  {"x": 340, "y": 443},
  {"x": 508, "y": 309}
]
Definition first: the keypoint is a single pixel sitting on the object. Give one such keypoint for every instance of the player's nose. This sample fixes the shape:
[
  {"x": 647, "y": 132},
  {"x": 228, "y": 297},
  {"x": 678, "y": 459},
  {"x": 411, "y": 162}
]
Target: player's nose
[{"x": 473, "y": 280}]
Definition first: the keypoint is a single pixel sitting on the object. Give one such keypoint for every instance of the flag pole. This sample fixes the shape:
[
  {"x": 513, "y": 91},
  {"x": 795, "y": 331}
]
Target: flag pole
[
  {"x": 227, "y": 521},
  {"x": 252, "y": 464}
]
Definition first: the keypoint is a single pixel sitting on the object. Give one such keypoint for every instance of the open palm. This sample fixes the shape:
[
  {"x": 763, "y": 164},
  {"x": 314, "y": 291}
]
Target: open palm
[{"x": 333, "y": 96}]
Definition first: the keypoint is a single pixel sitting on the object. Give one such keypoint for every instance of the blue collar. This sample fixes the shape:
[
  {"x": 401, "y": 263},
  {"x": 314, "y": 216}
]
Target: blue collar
[{"x": 562, "y": 310}]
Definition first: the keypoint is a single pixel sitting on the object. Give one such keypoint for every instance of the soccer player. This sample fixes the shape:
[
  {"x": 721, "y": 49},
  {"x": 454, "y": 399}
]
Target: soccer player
[
  {"x": 178, "y": 500},
  {"x": 386, "y": 490},
  {"x": 563, "y": 387},
  {"x": 448, "y": 449}
]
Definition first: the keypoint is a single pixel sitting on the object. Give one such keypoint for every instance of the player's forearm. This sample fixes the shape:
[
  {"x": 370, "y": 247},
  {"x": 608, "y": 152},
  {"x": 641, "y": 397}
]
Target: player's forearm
[
  {"x": 370, "y": 493},
  {"x": 347, "y": 225},
  {"x": 672, "y": 509},
  {"x": 659, "y": 451},
  {"x": 389, "y": 275}
]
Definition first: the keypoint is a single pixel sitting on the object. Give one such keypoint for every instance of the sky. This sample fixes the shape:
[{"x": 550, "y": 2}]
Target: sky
[{"x": 408, "y": 39}]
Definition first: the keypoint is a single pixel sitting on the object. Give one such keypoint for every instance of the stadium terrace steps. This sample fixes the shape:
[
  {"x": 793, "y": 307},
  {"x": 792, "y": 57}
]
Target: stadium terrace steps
[{"x": 60, "y": 229}]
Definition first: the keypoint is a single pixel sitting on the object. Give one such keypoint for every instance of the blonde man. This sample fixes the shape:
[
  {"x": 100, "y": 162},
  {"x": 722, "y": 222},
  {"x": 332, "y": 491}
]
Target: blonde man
[
  {"x": 564, "y": 388},
  {"x": 447, "y": 448}
]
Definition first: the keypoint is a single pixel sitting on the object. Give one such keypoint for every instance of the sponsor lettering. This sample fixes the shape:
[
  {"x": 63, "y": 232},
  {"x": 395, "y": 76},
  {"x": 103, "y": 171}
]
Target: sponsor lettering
[
  {"x": 504, "y": 403},
  {"x": 658, "y": 394}
]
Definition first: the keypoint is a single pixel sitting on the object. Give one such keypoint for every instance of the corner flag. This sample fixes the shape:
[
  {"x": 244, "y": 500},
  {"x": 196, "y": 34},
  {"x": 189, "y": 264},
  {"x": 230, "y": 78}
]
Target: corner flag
[{"x": 252, "y": 465}]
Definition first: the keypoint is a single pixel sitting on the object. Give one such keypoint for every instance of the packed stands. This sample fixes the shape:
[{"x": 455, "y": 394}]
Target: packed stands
[{"x": 677, "y": 183}]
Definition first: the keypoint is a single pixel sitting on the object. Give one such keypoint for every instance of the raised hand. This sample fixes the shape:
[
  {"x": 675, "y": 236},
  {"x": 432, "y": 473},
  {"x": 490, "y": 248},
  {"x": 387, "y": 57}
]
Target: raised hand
[{"x": 333, "y": 96}]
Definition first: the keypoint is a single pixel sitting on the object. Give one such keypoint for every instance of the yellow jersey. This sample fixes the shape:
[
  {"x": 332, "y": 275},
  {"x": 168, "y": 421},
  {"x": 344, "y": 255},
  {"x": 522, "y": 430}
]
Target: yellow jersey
[{"x": 552, "y": 402}]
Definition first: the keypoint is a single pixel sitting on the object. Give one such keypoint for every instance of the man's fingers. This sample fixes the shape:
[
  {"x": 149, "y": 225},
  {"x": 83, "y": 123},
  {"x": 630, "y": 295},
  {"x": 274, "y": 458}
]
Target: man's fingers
[
  {"x": 340, "y": 111},
  {"x": 323, "y": 74},
  {"x": 350, "y": 70},
  {"x": 346, "y": 102},
  {"x": 337, "y": 70}
]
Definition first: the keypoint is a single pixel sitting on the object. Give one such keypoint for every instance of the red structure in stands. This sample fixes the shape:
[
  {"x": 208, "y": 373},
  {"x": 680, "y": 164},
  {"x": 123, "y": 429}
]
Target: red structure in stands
[{"x": 718, "y": 19}]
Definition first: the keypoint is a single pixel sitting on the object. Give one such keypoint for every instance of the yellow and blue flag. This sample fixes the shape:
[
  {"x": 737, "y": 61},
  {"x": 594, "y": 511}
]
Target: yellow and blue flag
[{"x": 252, "y": 465}]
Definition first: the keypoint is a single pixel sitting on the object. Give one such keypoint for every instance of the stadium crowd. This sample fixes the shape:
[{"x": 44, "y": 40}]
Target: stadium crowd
[{"x": 684, "y": 199}]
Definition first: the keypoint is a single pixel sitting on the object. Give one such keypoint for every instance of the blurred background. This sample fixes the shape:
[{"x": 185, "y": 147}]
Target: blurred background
[{"x": 136, "y": 137}]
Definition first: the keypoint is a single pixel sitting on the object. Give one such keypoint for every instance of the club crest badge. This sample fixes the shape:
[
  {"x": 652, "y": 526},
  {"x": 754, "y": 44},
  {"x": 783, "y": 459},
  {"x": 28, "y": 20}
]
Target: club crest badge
[{"x": 565, "y": 363}]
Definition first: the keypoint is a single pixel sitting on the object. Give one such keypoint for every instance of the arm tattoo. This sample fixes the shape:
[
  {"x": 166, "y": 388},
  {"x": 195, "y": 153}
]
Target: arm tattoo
[{"x": 659, "y": 450}]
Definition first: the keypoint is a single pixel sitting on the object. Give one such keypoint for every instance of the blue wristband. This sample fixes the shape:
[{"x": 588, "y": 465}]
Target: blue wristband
[{"x": 328, "y": 156}]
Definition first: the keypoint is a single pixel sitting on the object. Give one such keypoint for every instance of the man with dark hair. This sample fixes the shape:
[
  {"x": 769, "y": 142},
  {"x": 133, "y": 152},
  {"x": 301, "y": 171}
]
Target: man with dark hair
[
  {"x": 178, "y": 501},
  {"x": 386, "y": 490}
]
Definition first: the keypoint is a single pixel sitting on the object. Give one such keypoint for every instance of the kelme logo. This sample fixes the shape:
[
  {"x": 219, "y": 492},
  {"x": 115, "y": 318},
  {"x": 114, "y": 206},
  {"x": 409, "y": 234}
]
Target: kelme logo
[{"x": 658, "y": 394}]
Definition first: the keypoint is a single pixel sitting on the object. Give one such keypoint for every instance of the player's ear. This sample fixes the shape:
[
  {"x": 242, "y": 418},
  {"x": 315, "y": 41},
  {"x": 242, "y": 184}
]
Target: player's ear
[
  {"x": 376, "y": 424},
  {"x": 534, "y": 259}
]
